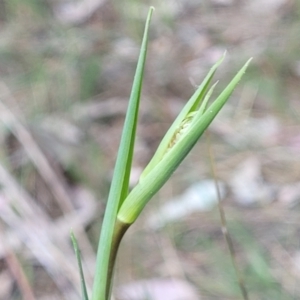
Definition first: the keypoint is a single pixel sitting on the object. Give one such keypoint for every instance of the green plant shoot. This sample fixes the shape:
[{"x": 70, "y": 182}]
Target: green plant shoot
[
  {"x": 111, "y": 232},
  {"x": 78, "y": 256},
  {"x": 123, "y": 208},
  {"x": 177, "y": 143}
]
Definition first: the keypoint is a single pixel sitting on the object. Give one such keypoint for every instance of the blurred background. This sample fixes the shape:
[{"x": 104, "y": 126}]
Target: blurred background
[{"x": 66, "y": 69}]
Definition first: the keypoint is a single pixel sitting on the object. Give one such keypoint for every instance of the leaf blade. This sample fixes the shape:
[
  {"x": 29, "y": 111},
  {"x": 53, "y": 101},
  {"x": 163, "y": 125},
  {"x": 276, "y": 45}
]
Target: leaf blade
[
  {"x": 78, "y": 257},
  {"x": 191, "y": 105},
  {"x": 145, "y": 189},
  {"x": 120, "y": 181}
]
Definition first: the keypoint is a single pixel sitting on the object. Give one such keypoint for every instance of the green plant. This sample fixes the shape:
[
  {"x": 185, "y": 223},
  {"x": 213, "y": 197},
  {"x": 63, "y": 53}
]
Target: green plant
[{"x": 123, "y": 207}]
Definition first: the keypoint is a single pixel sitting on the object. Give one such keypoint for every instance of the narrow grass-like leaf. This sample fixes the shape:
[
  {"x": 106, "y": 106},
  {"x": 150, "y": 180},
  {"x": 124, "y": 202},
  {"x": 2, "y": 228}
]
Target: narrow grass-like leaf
[
  {"x": 204, "y": 103},
  {"x": 119, "y": 185},
  {"x": 190, "y": 106},
  {"x": 155, "y": 179},
  {"x": 78, "y": 256}
]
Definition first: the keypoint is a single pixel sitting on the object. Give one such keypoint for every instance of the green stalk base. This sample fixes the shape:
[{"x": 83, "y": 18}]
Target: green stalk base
[{"x": 120, "y": 229}]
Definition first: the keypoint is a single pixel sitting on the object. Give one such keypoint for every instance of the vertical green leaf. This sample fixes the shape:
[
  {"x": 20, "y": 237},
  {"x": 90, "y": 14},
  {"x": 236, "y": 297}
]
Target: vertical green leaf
[
  {"x": 190, "y": 106},
  {"x": 120, "y": 181},
  {"x": 82, "y": 280},
  {"x": 162, "y": 170}
]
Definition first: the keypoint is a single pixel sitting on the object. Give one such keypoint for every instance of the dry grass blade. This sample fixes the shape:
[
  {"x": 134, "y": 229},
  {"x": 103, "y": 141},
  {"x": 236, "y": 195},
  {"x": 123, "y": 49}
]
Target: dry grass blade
[
  {"x": 35, "y": 230},
  {"x": 224, "y": 225},
  {"x": 34, "y": 152},
  {"x": 43, "y": 166},
  {"x": 17, "y": 271}
]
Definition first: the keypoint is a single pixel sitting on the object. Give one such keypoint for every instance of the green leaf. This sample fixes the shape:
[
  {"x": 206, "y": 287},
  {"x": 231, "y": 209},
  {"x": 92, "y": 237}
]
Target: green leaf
[
  {"x": 120, "y": 181},
  {"x": 190, "y": 106},
  {"x": 203, "y": 106},
  {"x": 78, "y": 256},
  {"x": 161, "y": 172}
]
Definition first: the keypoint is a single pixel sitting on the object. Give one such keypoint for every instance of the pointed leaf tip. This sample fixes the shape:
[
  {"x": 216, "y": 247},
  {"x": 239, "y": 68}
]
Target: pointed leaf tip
[
  {"x": 248, "y": 61},
  {"x": 78, "y": 257},
  {"x": 150, "y": 12}
]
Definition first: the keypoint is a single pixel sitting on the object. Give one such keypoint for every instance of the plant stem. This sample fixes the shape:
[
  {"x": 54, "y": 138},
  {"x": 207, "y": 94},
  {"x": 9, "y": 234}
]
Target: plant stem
[
  {"x": 119, "y": 231},
  {"x": 225, "y": 231}
]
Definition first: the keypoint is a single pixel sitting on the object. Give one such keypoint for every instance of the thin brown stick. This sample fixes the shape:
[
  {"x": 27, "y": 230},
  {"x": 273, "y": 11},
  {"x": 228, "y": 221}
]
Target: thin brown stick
[
  {"x": 18, "y": 273},
  {"x": 38, "y": 233},
  {"x": 224, "y": 224}
]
